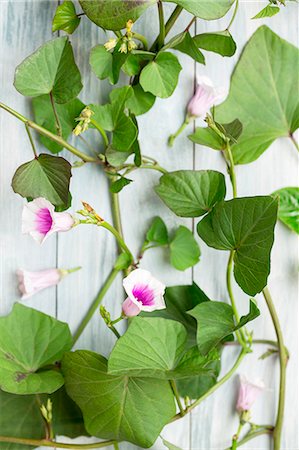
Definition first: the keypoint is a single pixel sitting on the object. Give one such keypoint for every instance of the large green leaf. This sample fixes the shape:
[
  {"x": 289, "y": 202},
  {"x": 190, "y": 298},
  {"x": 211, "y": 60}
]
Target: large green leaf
[
  {"x": 66, "y": 18},
  {"x": 114, "y": 14},
  {"x": 245, "y": 225},
  {"x": 21, "y": 417},
  {"x": 262, "y": 94},
  {"x": 205, "y": 9},
  {"x": 187, "y": 46},
  {"x": 215, "y": 321},
  {"x": 117, "y": 407},
  {"x": 179, "y": 300},
  {"x": 184, "y": 250},
  {"x": 288, "y": 209},
  {"x": 50, "y": 69},
  {"x": 218, "y": 42},
  {"x": 195, "y": 387},
  {"x": 44, "y": 116},
  {"x": 45, "y": 176},
  {"x": 30, "y": 341},
  {"x": 140, "y": 102},
  {"x": 160, "y": 76},
  {"x": 191, "y": 193}
]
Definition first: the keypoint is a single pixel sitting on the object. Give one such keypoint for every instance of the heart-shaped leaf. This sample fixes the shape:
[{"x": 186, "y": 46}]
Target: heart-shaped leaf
[
  {"x": 184, "y": 250},
  {"x": 245, "y": 225},
  {"x": 101, "y": 61},
  {"x": 117, "y": 407},
  {"x": 66, "y": 18},
  {"x": 205, "y": 9},
  {"x": 265, "y": 104},
  {"x": 53, "y": 69},
  {"x": 140, "y": 102},
  {"x": 157, "y": 234},
  {"x": 288, "y": 209},
  {"x": 187, "y": 46},
  {"x": 30, "y": 341},
  {"x": 220, "y": 42},
  {"x": 195, "y": 387},
  {"x": 191, "y": 193},
  {"x": 45, "y": 176}
]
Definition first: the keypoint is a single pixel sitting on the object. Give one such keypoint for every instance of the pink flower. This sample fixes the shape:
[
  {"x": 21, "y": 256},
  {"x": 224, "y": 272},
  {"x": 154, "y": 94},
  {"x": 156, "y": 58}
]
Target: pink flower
[
  {"x": 32, "y": 282},
  {"x": 39, "y": 219},
  {"x": 145, "y": 293},
  {"x": 206, "y": 95},
  {"x": 248, "y": 393}
]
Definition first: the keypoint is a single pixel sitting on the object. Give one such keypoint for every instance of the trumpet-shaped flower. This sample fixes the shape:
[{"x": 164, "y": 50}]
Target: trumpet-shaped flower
[
  {"x": 206, "y": 95},
  {"x": 39, "y": 219},
  {"x": 145, "y": 293},
  {"x": 248, "y": 393}
]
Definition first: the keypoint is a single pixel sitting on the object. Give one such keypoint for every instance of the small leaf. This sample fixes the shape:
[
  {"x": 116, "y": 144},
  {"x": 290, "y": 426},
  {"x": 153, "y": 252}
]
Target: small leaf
[
  {"x": 205, "y": 9},
  {"x": 288, "y": 208},
  {"x": 188, "y": 47},
  {"x": 207, "y": 137},
  {"x": 232, "y": 130},
  {"x": 116, "y": 158},
  {"x": 65, "y": 18},
  {"x": 134, "y": 63},
  {"x": 29, "y": 341},
  {"x": 268, "y": 11},
  {"x": 170, "y": 446},
  {"x": 220, "y": 42},
  {"x": 53, "y": 69},
  {"x": 46, "y": 176},
  {"x": 101, "y": 61},
  {"x": 191, "y": 193},
  {"x": 121, "y": 408},
  {"x": 215, "y": 321},
  {"x": 160, "y": 76},
  {"x": 157, "y": 232},
  {"x": 140, "y": 102},
  {"x": 245, "y": 225},
  {"x": 184, "y": 250},
  {"x": 119, "y": 184}
]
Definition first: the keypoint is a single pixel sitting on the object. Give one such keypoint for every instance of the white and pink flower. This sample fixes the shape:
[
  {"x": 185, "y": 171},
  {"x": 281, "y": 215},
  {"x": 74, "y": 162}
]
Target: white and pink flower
[
  {"x": 32, "y": 282},
  {"x": 40, "y": 220},
  {"x": 206, "y": 95},
  {"x": 145, "y": 293},
  {"x": 248, "y": 393}
]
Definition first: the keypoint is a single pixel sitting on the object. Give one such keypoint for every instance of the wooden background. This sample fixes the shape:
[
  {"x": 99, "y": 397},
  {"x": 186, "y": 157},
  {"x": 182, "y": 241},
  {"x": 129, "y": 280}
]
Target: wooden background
[{"x": 25, "y": 25}]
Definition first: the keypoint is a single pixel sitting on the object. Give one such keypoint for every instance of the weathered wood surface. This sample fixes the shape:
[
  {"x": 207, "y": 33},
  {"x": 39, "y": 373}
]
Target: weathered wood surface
[{"x": 24, "y": 25}]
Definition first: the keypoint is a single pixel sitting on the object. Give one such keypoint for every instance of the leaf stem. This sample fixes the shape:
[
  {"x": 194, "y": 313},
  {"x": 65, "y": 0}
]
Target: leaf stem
[
  {"x": 231, "y": 169},
  {"x": 162, "y": 33},
  {"x": 234, "y": 15},
  {"x": 172, "y": 137},
  {"x": 31, "y": 141},
  {"x": 252, "y": 435},
  {"x": 101, "y": 131},
  {"x": 283, "y": 359},
  {"x": 239, "y": 333},
  {"x": 47, "y": 133},
  {"x": 169, "y": 24},
  {"x": 177, "y": 397},
  {"x": 142, "y": 39},
  {"x": 118, "y": 237},
  {"x": 293, "y": 139},
  {"x": 94, "y": 306},
  {"x": 57, "y": 121},
  {"x": 54, "y": 444}
]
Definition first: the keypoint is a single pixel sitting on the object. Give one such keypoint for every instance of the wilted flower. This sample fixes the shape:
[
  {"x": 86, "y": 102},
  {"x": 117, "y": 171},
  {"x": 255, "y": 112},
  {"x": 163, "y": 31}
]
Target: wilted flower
[
  {"x": 39, "y": 219},
  {"x": 248, "y": 393},
  {"x": 110, "y": 44},
  {"x": 32, "y": 282},
  {"x": 145, "y": 293}
]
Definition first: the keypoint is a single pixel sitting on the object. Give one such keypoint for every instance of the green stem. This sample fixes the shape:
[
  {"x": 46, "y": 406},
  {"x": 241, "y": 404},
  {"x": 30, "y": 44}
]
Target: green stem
[
  {"x": 232, "y": 173},
  {"x": 250, "y": 436},
  {"x": 177, "y": 397},
  {"x": 31, "y": 141},
  {"x": 283, "y": 359},
  {"x": 236, "y": 436},
  {"x": 95, "y": 304},
  {"x": 169, "y": 24},
  {"x": 118, "y": 237},
  {"x": 101, "y": 131},
  {"x": 294, "y": 141},
  {"x": 234, "y": 15},
  {"x": 172, "y": 137},
  {"x": 116, "y": 446},
  {"x": 142, "y": 39},
  {"x": 162, "y": 33},
  {"x": 114, "y": 330},
  {"x": 57, "y": 121},
  {"x": 46, "y": 443},
  {"x": 48, "y": 134}
]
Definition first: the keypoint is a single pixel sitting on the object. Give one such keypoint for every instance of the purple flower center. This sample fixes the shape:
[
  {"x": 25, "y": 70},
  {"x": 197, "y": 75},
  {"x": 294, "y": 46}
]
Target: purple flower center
[
  {"x": 144, "y": 294},
  {"x": 43, "y": 221}
]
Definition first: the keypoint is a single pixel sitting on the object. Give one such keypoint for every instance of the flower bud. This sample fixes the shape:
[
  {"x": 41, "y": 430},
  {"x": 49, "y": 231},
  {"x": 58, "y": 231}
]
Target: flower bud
[{"x": 110, "y": 45}]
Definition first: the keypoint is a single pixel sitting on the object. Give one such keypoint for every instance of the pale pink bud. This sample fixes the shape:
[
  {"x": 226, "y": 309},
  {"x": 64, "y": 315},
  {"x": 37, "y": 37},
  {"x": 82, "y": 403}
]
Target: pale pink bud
[
  {"x": 32, "y": 282},
  {"x": 206, "y": 95},
  {"x": 39, "y": 219},
  {"x": 248, "y": 393},
  {"x": 145, "y": 293}
]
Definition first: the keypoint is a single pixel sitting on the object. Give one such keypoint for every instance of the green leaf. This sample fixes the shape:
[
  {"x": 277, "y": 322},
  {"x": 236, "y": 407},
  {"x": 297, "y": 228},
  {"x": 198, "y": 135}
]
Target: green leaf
[
  {"x": 188, "y": 47},
  {"x": 191, "y": 193},
  {"x": 113, "y": 15},
  {"x": 160, "y": 76},
  {"x": 262, "y": 94},
  {"x": 23, "y": 418},
  {"x": 101, "y": 61},
  {"x": 140, "y": 102},
  {"x": 124, "y": 133},
  {"x": 288, "y": 209},
  {"x": 157, "y": 233},
  {"x": 184, "y": 250},
  {"x": 232, "y": 130},
  {"x": 120, "y": 408},
  {"x": 268, "y": 11},
  {"x": 30, "y": 341},
  {"x": 196, "y": 387},
  {"x": 215, "y": 321},
  {"x": 135, "y": 61},
  {"x": 220, "y": 42},
  {"x": 65, "y": 18},
  {"x": 170, "y": 446},
  {"x": 205, "y": 9},
  {"x": 245, "y": 225},
  {"x": 45, "y": 176},
  {"x": 207, "y": 137},
  {"x": 119, "y": 184},
  {"x": 116, "y": 158},
  {"x": 44, "y": 116},
  {"x": 179, "y": 300},
  {"x": 53, "y": 69},
  {"x": 165, "y": 356}
]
